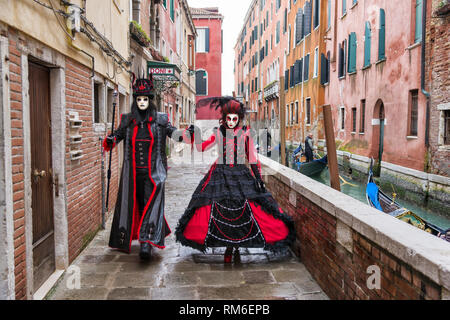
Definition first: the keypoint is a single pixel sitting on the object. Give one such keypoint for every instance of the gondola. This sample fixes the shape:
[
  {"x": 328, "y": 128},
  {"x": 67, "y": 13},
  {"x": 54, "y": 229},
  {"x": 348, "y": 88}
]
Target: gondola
[
  {"x": 310, "y": 168},
  {"x": 379, "y": 200}
]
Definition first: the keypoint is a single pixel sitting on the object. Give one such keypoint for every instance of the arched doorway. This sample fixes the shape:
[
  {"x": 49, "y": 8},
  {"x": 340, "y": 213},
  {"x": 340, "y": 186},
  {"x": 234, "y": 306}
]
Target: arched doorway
[{"x": 378, "y": 122}]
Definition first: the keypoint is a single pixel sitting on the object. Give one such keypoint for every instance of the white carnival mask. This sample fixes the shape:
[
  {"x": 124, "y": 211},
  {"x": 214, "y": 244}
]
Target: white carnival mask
[
  {"x": 232, "y": 120},
  {"x": 142, "y": 102}
]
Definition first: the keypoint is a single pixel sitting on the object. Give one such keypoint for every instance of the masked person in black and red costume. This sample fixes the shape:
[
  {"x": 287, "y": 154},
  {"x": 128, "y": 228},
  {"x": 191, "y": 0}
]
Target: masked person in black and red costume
[
  {"x": 139, "y": 210},
  {"x": 231, "y": 207}
]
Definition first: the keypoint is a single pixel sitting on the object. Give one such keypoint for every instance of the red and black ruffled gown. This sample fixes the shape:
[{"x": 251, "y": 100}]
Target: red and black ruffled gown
[{"x": 227, "y": 208}]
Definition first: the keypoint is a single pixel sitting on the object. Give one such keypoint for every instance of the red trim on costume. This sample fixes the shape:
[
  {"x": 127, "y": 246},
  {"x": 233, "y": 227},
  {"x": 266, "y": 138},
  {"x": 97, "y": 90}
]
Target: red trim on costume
[
  {"x": 197, "y": 227},
  {"x": 273, "y": 229},
  {"x": 151, "y": 179},
  {"x": 213, "y": 167},
  {"x": 133, "y": 143}
]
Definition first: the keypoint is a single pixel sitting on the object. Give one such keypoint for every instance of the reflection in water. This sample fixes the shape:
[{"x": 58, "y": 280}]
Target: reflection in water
[{"x": 357, "y": 190}]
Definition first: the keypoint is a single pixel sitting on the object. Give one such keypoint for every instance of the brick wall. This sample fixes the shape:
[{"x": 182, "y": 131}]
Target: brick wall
[
  {"x": 84, "y": 176},
  {"x": 337, "y": 250},
  {"x": 437, "y": 75},
  {"x": 15, "y": 71}
]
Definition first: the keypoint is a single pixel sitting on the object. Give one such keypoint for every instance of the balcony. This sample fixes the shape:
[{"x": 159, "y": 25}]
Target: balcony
[{"x": 272, "y": 90}]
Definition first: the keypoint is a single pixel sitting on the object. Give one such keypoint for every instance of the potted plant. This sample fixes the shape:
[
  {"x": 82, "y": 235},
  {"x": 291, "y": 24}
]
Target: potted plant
[
  {"x": 443, "y": 8},
  {"x": 139, "y": 35}
]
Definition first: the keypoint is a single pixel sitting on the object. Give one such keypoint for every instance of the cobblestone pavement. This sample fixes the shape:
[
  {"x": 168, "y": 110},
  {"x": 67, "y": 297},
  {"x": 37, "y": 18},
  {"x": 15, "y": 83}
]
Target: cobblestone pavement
[{"x": 183, "y": 273}]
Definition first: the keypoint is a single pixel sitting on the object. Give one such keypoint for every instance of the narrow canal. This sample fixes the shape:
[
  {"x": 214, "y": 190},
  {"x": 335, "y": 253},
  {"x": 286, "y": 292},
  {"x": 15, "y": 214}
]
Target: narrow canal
[{"x": 357, "y": 189}]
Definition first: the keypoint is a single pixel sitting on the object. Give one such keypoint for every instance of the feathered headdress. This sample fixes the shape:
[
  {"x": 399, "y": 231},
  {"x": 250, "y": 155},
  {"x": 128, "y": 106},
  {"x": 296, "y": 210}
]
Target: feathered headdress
[{"x": 225, "y": 104}]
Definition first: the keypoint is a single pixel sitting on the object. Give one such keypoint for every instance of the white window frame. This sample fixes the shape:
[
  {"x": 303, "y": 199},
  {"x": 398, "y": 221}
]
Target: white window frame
[
  {"x": 316, "y": 63},
  {"x": 198, "y": 39}
]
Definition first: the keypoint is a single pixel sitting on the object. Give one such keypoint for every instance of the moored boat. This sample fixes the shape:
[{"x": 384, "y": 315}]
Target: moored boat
[{"x": 376, "y": 198}]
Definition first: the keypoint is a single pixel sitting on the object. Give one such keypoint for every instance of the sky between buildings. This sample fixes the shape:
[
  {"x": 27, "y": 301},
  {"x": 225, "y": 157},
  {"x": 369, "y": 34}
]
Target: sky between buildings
[{"x": 234, "y": 12}]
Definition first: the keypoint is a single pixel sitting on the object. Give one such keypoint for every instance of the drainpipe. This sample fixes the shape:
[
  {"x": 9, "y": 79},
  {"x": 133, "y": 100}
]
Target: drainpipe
[{"x": 422, "y": 79}]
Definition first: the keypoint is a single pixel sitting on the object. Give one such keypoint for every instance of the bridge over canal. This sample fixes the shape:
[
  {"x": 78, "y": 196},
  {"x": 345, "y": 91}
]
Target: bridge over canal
[{"x": 344, "y": 250}]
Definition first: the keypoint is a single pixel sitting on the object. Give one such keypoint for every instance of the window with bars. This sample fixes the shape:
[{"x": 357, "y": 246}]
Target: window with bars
[
  {"x": 362, "y": 116},
  {"x": 308, "y": 110},
  {"x": 413, "y": 113},
  {"x": 342, "y": 116},
  {"x": 353, "y": 119},
  {"x": 446, "y": 116},
  {"x": 296, "y": 112},
  {"x": 292, "y": 114}
]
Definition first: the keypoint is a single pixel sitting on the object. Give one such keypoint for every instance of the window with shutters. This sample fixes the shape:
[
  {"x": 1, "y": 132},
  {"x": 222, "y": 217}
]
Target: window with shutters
[
  {"x": 353, "y": 120},
  {"x": 256, "y": 84},
  {"x": 362, "y": 116},
  {"x": 201, "y": 83},
  {"x": 341, "y": 61},
  {"x": 418, "y": 28},
  {"x": 382, "y": 36},
  {"x": 306, "y": 68},
  {"x": 354, "y": 2},
  {"x": 291, "y": 80},
  {"x": 367, "y": 41},
  {"x": 329, "y": 14},
  {"x": 299, "y": 26},
  {"x": 352, "y": 53},
  {"x": 267, "y": 47},
  {"x": 342, "y": 118},
  {"x": 308, "y": 110},
  {"x": 307, "y": 18},
  {"x": 316, "y": 62},
  {"x": 285, "y": 21},
  {"x": 413, "y": 112},
  {"x": 286, "y": 80},
  {"x": 324, "y": 68},
  {"x": 344, "y": 7},
  {"x": 172, "y": 10},
  {"x": 296, "y": 112},
  {"x": 191, "y": 52},
  {"x": 278, "y": 4},
  {"x": 202, "y": 40},
  {"x": 277, "y": 35},
  {"x": 164, "y": 3},
  {"x": 316, "y": 13}
]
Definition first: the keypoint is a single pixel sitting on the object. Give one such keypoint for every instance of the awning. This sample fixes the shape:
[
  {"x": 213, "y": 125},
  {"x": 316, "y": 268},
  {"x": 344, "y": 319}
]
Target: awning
[{"x": 163, "y": 71}]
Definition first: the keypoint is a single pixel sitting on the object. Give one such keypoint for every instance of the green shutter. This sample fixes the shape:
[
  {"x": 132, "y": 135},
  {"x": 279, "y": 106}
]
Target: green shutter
[
  {"x": 329, "y": 14},
  {"x": 367, "y": 40},
  {"x": 352, "y": 52},
  {"x": 418, "y": 33},
  {"x": 344, "y": 6},
  {"x": 165, "y": 3},
  {"x": 172, "y": 10},
  {"x": 382, "y": 36}
]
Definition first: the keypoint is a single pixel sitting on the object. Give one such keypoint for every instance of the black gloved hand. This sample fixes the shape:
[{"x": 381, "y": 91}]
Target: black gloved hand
[
  {"x": 191, "y": 129},
  {"x": 110, "y": 140},
  {"x": 260, "y": 186}
]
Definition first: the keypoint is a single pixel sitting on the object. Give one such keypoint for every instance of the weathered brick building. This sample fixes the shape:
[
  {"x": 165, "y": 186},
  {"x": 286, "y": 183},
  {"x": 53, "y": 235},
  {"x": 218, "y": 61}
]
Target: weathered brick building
[
  {"x": 208, "y": 57},
  {"x": 437, "y": 62},
  {"x": 57, "y": 89}
]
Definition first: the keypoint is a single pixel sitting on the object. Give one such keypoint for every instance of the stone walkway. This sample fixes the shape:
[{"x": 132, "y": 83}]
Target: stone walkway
[{"x": 183, "y": 273}]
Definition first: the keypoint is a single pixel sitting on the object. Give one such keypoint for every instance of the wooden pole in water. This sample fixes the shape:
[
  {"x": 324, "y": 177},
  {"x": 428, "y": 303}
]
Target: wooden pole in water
[
  {"x": 331, "y": 148},
  {"x": 282, "y": 122}
]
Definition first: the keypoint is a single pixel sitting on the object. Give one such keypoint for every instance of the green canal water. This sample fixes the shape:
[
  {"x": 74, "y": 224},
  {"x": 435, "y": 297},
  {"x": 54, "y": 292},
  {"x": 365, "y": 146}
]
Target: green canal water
[{"x": 358, "y": 191}]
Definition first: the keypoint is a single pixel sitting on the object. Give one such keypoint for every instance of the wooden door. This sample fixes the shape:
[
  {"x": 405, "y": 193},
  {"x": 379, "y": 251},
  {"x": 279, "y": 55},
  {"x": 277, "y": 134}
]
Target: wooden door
[{"x": 41, "y": 174}]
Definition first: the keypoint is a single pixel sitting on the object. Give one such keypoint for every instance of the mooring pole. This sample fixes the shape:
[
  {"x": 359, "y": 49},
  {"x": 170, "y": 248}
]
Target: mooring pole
[
  {"x": 282, "y": 111},
  {"x": 331, "y": 148}
]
